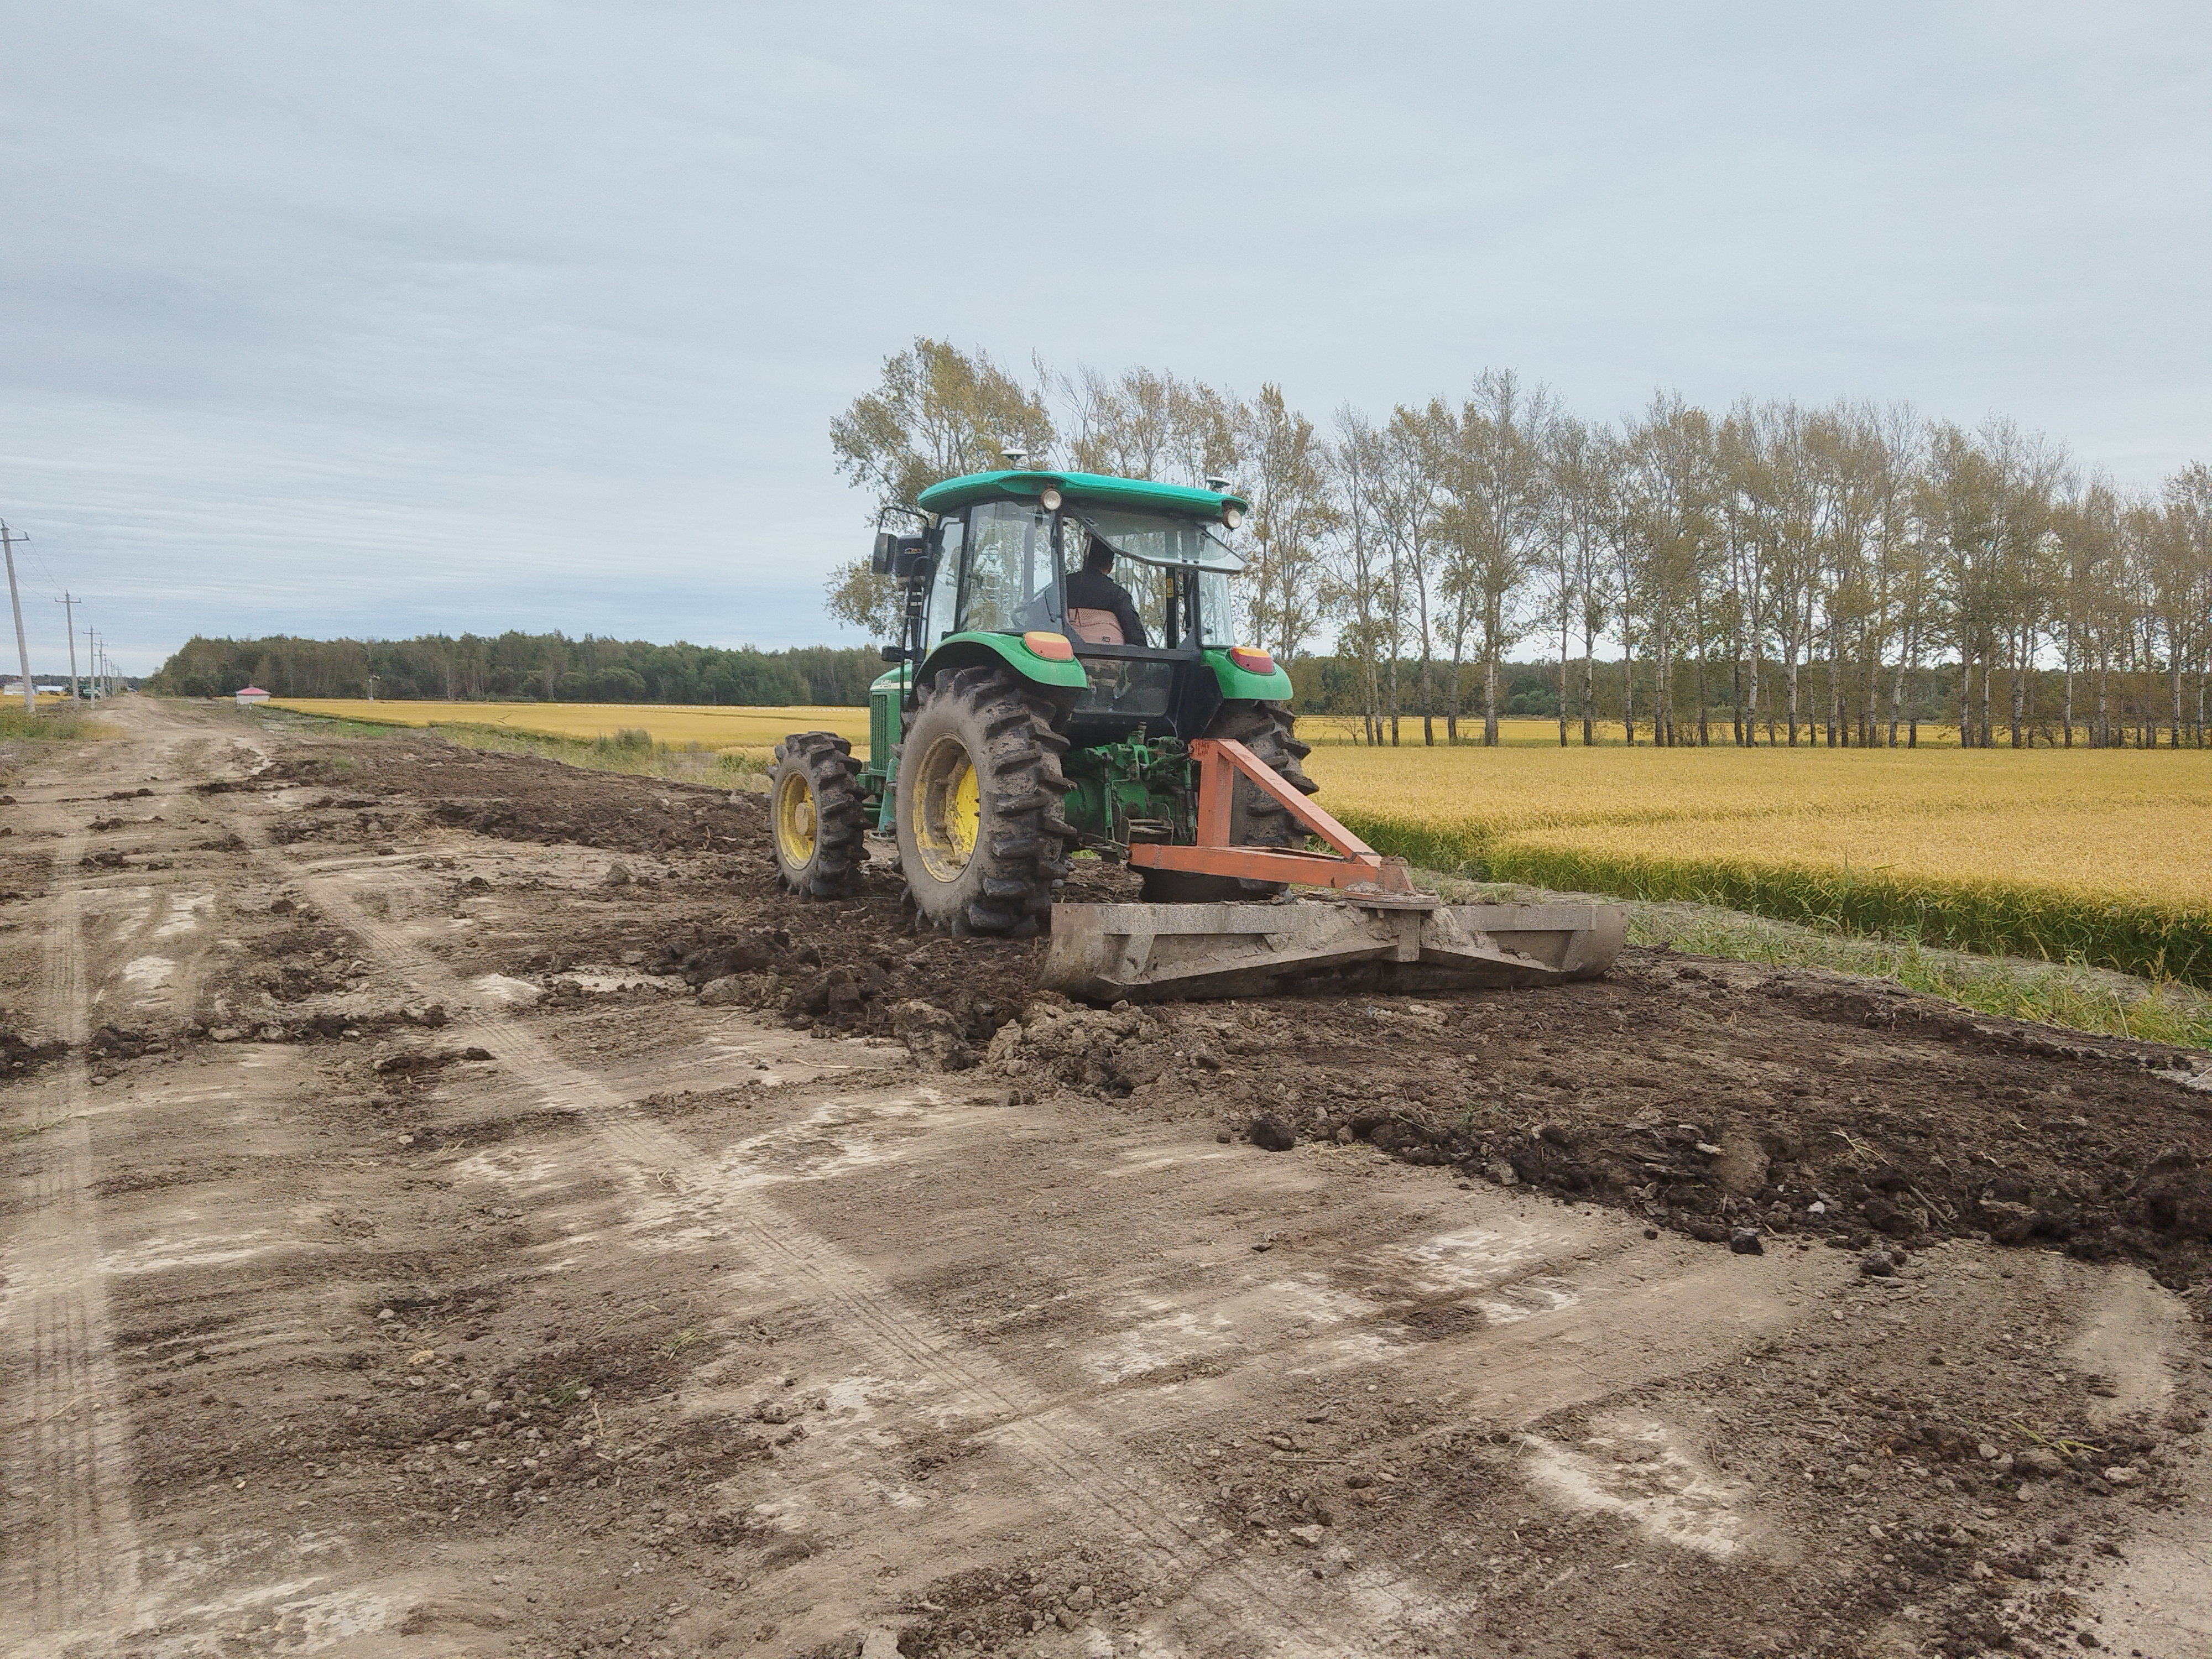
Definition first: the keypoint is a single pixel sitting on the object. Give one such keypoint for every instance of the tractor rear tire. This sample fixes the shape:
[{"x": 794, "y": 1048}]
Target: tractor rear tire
[
  {"x": 1255, "y": 819},
  {"x": 815, "y": 815},
  {"x": 981, "y": 830}
]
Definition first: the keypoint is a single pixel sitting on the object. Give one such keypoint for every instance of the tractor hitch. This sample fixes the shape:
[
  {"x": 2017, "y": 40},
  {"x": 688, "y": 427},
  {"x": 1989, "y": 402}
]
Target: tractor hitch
[{"x": 1221, "y": 761}]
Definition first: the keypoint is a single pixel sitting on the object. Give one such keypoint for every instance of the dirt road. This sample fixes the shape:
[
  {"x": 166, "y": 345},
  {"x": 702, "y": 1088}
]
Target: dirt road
[{"x": 404, "y": 1255}]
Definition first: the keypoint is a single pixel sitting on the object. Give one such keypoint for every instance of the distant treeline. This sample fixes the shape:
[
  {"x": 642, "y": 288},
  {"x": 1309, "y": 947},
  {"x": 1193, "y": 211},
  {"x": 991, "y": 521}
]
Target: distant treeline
[
  {"x": 2126, "y": 710},
  {"x": 522, "y": 668}
]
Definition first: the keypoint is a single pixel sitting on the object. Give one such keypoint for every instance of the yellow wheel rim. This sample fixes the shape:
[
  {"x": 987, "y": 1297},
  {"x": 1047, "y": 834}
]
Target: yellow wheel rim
[
  {"x": 948, "y": 809},
  {"x": 794, "y": 820}
]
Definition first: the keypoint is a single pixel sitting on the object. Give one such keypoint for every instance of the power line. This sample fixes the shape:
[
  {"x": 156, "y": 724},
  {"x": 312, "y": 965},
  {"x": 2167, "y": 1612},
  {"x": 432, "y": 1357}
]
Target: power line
[{"x": 38, "y": 559}]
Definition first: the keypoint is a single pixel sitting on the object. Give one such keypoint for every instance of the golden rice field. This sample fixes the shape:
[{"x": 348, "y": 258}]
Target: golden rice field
[
  {"x": 718, "y": 728},
  {"x": 2099, "y": 856}
]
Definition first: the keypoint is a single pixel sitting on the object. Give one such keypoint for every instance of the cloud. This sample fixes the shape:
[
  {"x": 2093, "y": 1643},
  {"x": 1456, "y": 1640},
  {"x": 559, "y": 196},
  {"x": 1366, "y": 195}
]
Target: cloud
[{"x": 487, "y": 315}]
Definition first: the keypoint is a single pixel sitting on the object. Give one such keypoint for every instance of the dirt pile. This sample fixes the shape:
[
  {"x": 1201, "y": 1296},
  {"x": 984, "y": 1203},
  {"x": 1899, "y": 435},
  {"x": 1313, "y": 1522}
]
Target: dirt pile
[
  {"x": 19, "y": 1055},
  {"x": 1707, "y": 1098},
  {"x": 512, "y": 796},
  {"x": 852, "y": 968},
  {"x": 1113, "y": 1052}
]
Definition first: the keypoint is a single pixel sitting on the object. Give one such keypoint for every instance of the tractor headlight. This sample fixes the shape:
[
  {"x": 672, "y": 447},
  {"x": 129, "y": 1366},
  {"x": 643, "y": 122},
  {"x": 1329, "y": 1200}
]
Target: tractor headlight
[
  {"x": 1230, "y": 518},
  {"x": 1050, "y": 499}
]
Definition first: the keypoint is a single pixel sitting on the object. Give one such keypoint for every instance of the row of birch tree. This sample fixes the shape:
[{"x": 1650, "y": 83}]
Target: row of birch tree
[{"x": 1774, "y": 574}]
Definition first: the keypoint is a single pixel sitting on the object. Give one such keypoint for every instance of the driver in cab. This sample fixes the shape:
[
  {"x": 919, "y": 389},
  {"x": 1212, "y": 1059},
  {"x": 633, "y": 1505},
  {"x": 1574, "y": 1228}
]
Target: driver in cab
[{"x": 1099, "y": 609}]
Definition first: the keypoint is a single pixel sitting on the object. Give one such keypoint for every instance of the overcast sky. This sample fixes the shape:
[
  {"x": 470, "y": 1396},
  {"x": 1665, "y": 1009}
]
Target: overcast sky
[{"x": 385, "y": 319}]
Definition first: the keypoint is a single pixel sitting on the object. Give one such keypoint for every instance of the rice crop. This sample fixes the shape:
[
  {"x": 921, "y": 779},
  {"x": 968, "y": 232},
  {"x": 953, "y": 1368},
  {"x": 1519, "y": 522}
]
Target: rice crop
[{"x": 2100, "y": 857}]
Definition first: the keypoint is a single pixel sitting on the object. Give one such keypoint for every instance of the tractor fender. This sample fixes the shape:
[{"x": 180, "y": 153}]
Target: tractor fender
[
  {"x": 1061, "y": 682},
  {"x": 1238, "y": 684}
]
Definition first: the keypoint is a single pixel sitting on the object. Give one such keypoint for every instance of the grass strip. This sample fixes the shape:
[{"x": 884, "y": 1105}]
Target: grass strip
[
  {"x": 2071, "y": 995},
  {"x": 1991, "y": 918},
  {"x": 2013, "y": 987},
  {"x": 51, "y": 726}
]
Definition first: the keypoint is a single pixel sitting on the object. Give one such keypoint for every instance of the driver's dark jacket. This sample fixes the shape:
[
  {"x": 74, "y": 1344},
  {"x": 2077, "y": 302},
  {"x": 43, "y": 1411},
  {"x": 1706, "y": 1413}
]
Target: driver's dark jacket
[{"x": 1094, "y": 590}]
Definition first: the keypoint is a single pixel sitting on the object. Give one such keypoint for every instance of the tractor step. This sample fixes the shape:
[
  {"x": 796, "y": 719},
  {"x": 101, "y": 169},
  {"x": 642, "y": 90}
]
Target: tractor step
[{"x": 1361, "y": 941}]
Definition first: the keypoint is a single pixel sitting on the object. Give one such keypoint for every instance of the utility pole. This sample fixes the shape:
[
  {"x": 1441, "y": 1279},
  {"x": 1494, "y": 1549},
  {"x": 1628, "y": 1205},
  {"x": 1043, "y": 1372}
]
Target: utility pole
[
  {"x": 69, "y": 627},
  {"x": 8, "y": 540}
]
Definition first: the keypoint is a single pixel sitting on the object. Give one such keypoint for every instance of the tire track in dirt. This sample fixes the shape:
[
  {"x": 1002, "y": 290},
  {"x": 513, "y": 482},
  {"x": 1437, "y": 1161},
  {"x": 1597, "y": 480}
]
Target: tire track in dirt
[
  {"x": 1056, "y": 1449},
  {"x": 69, "y": 1467}
]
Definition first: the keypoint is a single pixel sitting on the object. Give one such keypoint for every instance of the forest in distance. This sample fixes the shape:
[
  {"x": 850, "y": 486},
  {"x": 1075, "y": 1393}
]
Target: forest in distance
[
  {"x": 1776, "y": 574},
  {"x": 517, "y": 668}
]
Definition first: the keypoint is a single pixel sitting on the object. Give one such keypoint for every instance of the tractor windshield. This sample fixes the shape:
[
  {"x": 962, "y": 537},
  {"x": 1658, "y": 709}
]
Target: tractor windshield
[{"x": 1159, "y": 559}]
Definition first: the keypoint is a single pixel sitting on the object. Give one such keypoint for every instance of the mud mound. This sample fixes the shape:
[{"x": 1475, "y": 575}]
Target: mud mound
[
  {"x": 18, "y": 1055},
  {"x": 523, "y": 797},
  {"x": 853, "y": 968},
  {"x": 1708, "y": 1097},
  {"x": 869, "y": 964}
]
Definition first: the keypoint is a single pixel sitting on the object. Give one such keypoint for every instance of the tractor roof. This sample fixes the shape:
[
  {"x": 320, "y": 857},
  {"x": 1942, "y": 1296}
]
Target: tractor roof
[{"x": 1080, "y": 490}]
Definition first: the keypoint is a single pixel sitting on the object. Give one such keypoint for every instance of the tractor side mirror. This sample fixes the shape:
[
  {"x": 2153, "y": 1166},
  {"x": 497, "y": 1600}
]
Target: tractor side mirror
[
  {"x": 886, "y": 550},
  {"x": 909, "y": 558}
]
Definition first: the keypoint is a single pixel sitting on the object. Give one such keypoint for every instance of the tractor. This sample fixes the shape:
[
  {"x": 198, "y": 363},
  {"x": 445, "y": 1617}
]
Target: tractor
[{"x": 1021, "y": 722}]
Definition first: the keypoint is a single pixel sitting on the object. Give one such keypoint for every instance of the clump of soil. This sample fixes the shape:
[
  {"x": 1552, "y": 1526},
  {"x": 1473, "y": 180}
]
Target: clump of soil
[
  {"x": 852, "y": 967},
  {"x": 18, "y": 1055},
  {"x": 997, "y": 1608}
]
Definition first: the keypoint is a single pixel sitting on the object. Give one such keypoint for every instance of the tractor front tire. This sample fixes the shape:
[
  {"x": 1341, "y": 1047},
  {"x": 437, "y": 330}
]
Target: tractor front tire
[
  {"x": 979, "y": 786},
  {"x": 1255, "y": 818},
  {"x": 815, "y": 815}
]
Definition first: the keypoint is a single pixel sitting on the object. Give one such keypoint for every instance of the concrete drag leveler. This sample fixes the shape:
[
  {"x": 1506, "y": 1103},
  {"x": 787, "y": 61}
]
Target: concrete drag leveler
[{"x": 1065, "y": 682}]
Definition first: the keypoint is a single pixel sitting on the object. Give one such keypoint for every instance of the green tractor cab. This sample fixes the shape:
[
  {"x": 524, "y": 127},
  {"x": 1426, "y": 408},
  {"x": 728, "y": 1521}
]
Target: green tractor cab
[{"x": 1067, "y": 678}]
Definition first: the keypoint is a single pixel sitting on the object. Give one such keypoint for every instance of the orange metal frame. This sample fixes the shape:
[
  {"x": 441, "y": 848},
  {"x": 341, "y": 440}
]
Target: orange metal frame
[{"x": 1220, "y": 761}]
